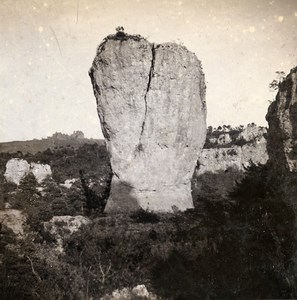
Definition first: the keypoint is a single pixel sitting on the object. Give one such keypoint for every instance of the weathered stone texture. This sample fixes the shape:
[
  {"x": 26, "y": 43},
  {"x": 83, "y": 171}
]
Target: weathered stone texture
[
  {"x": 151, "y": 105},
  {"x": 16, "y": 170},
  {"x": 282, "y": 120},
  {"x": 221, "y": 159}
]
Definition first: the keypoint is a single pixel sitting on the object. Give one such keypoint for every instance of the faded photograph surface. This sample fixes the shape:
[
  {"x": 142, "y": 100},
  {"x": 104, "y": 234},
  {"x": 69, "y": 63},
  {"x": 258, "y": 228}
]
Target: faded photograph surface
[{"x": 148, "y": 149}]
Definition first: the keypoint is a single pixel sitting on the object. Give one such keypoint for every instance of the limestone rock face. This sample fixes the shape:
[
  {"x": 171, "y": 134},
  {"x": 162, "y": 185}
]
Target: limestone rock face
[
  {"x": 282, "y": 120},
  {"x": 150, "y": 101},
  {"x": 224, "y": 153},
  {"x": 216, "y": 160},
  {"x": 252, "y": 132}
]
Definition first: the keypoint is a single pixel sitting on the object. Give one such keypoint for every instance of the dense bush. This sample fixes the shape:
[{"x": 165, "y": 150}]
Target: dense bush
[
  {"x": 144, "y": 216},
  {"x": 250, "y": 246},
  {"x": 214, "y": 186}
]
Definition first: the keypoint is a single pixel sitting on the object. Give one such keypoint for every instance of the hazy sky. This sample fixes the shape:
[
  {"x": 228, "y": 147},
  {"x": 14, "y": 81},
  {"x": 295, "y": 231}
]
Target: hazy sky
[{"x": 47, "y": 47}]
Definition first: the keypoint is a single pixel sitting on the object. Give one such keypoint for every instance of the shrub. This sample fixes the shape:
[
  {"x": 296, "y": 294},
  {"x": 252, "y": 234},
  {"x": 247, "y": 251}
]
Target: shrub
[{"x": 144, "y": 216}]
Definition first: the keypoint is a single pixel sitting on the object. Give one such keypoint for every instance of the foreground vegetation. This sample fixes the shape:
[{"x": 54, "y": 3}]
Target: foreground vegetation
[{"x": 237, "y": 247}]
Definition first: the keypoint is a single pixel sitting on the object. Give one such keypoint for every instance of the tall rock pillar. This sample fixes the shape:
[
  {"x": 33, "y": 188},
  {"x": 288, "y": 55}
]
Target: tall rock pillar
[
  {"x": 282, "y": 120},
  {"x": 282, "y": 139},
  {"x": 150, "y": 101}
]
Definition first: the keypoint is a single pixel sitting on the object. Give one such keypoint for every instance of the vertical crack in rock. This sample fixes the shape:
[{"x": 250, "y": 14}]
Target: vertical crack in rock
[{"x": 151, "y": 74}]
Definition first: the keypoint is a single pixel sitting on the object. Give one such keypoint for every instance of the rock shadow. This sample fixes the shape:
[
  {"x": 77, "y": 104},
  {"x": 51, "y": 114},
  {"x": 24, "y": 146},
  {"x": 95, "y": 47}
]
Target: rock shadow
[
  {"x": 94, "y": 201},
  {"x": 121, "y": 198}
]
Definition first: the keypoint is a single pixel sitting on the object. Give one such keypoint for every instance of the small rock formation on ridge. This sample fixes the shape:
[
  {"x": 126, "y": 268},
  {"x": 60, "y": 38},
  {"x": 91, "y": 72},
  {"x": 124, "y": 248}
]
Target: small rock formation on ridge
[{"x": 151, "y": 105}]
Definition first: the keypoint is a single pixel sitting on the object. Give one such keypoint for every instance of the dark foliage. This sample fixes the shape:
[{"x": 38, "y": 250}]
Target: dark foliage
[
  {"x": 94, "y": 201},
  {"x": 236, "y": 246},
  {"x": 144, "y": 216},
  {"x": 214, "y": 186},
  {"x": 240, "y": 142},
  {"x": 250, "y": 245},
  {"x": 255, "y": 184}
]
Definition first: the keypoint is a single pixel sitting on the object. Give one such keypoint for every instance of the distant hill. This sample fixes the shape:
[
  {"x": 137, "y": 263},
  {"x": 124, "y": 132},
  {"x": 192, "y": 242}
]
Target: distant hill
[
  {"x": 55, "y": 142},
  {"x": 222, "y": 137}
]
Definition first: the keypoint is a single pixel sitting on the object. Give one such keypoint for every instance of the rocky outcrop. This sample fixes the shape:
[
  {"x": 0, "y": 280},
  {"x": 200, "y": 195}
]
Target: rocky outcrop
[
  {"x": 227, "y": 136},
  {"x": 40, "y": 171},
  {"x": 68, "y": 183},
  {"x": 138, "y": 292},
  {"x": 237, "y": 157},
  {"x": 253, "y": 133},
  {"x": 150, "y": 101},
  {"x": 222, "y": 154},
  {"x": 17, "y": 169},
  {"x": 282, "y": 140},
  {"x": 282, "y": 120},
  {"x": 13, "y": 219},
  {"x": 62, "y": 227},
  {"x": 224, "y": 139}
]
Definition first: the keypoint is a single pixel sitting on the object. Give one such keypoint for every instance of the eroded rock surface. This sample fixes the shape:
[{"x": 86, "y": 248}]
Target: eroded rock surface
[
  {"x": 17, "y": 169},
  {"x": 236, "y": 157},
  {"x": 236, "y": 152},
  {"x": 282, "y": 120},
  {"x": 150, "y": 101}
]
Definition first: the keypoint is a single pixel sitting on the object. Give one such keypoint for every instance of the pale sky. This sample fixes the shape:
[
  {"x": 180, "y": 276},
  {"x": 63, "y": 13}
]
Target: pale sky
[{"x": 47, "y": 47}]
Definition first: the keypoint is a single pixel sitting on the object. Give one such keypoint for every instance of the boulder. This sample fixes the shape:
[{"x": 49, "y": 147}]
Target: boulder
[
  {"x": 138, "y": 292},
  {"x": 16, "y": 170},
  {"x": 282, "y": 120},
  {"x": 150, "y": 101},
  {"x": 41, "y": 171},
  {"x": 68, "y": 183}
]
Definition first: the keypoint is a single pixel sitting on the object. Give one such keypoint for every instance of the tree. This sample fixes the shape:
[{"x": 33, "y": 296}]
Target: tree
[
  {"x": 120, "y": 29},
  {"x": 209, "y": 129},
  {"x": 274, "y": 84}
]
